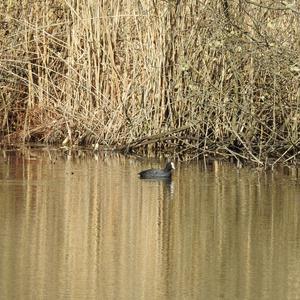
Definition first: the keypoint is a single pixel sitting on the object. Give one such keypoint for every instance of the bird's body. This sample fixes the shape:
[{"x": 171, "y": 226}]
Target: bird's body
[{"x": 166, "y": 173}]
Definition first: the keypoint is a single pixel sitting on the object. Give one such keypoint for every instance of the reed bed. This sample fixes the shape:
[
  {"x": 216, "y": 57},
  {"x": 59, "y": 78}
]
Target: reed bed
[{"x": 191, "y": 78}]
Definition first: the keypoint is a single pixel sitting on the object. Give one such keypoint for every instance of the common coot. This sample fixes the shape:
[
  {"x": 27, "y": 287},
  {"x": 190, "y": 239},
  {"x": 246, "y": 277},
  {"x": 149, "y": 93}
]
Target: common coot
[{"x": 158, "y": 174}]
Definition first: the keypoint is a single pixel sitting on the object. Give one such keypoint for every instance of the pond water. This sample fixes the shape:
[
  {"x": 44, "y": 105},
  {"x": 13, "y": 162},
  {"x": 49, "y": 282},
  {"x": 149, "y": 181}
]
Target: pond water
[{"x": 86, "y": 227}]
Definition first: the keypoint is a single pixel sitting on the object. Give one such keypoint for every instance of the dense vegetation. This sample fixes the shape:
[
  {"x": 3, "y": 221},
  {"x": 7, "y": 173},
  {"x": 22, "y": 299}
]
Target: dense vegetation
[{"x": 195, "y": 78}]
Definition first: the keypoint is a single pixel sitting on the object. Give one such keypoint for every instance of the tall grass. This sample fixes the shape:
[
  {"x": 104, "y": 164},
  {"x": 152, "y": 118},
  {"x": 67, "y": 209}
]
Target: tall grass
[{"x": 194, "y": 78}]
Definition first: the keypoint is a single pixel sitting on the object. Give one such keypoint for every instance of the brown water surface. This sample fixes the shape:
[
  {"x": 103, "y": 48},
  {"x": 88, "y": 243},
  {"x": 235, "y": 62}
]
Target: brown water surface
[{"x": 88, "y": 228}]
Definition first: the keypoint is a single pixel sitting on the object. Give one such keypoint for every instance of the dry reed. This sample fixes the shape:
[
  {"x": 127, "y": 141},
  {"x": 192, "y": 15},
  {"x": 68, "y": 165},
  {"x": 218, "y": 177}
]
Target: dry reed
[{"x": 210, "y": 78}]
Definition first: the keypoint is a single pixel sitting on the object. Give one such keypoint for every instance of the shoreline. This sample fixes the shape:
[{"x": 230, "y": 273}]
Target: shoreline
[{"x": 207, "y": 158}]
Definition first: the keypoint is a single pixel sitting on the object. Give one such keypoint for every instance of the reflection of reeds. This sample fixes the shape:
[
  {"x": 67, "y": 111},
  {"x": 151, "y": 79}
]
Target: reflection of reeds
[{"x": 197, "y": 79}]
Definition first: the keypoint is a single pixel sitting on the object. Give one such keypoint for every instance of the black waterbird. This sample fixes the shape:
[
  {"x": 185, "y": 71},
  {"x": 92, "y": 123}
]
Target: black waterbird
[{"x": 166, "y": 173}]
